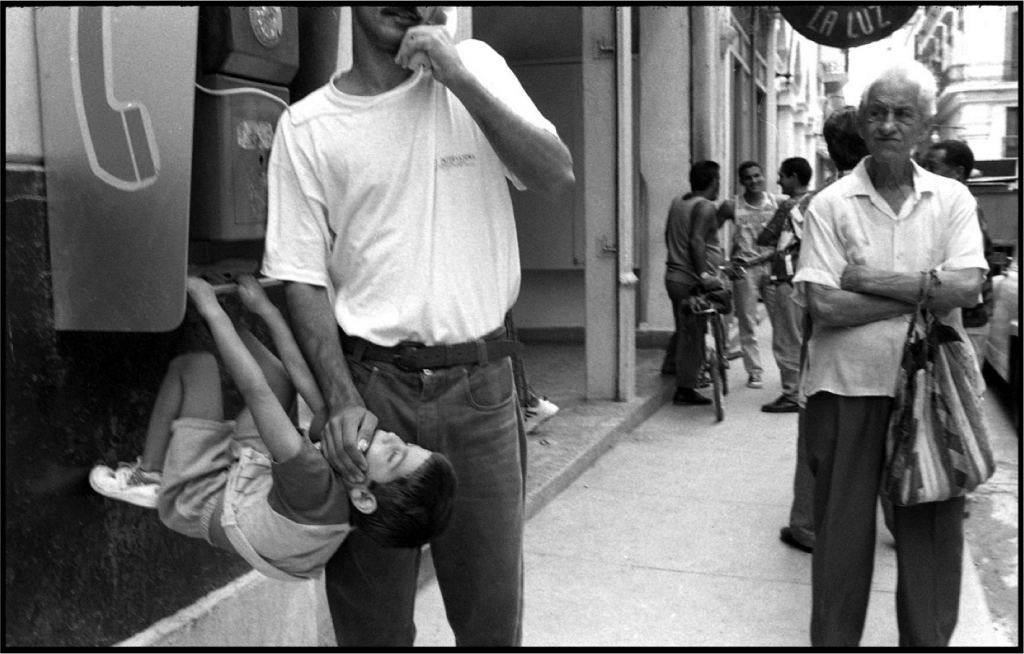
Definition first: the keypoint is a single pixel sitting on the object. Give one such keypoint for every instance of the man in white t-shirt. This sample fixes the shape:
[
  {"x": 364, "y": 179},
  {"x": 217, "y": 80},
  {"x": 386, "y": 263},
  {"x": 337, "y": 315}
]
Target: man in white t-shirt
[{"x": 391, "y": 223}]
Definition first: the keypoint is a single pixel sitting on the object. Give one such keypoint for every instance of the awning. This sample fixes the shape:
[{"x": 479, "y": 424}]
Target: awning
[{"x": 847, "y": 26}]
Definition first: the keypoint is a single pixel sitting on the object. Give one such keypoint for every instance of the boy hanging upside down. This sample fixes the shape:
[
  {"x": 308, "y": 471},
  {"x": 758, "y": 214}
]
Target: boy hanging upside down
[{"x": 256, "y": 485}]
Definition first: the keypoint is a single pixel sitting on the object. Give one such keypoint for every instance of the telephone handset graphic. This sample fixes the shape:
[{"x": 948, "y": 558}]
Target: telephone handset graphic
[{"x": 118, "y": 136}]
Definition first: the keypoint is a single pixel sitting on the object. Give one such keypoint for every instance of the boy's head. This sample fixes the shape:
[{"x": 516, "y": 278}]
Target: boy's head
[{"x": 409, "y": 494}]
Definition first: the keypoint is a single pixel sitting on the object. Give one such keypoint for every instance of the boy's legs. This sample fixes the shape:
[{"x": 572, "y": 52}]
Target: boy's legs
[
  {"x": 189, "y": 395},
  {"x": 190, "y": 389}
]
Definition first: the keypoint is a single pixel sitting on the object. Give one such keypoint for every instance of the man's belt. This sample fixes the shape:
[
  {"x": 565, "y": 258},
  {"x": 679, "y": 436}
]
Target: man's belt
[{"x": 416, "y": 356}]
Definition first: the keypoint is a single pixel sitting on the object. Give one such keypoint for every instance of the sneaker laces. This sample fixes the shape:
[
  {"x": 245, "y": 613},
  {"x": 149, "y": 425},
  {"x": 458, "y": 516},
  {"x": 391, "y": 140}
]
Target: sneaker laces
[{"x": 132, "y": 474}]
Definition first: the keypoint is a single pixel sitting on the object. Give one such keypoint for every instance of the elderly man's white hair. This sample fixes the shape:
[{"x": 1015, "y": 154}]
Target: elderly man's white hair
[{"x": 912, "y": 73}]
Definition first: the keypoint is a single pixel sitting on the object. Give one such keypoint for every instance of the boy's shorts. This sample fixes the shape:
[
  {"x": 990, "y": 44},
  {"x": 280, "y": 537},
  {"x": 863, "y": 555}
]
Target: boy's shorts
[{"x": 195, "y": 474}]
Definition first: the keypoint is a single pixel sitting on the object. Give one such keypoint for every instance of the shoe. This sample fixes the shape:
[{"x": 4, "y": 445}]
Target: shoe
[
  {"x": 754, "y": 381},
  {"x": 787, "y": 537},
  {"x": 538, "y": 413},
  {"x": 782, "y": 404},
  {"x": 689, "y": 396},
  {"x": 129, "y": 483},
  {"x": 735, "y": 354}
]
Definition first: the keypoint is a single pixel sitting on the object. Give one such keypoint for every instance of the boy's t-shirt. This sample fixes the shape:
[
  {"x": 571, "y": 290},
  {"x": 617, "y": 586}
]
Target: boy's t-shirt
[
  {"x": 285, "y": 519},
  {"x": 306, "y": 489}
]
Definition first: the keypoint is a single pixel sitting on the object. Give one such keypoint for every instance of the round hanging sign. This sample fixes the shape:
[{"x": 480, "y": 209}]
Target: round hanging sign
[{"x": 847, "y": 26}]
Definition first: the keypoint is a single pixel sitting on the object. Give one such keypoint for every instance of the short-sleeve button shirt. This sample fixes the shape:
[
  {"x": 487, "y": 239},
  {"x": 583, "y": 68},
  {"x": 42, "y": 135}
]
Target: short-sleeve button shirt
[{"x": 936, "y": 229}]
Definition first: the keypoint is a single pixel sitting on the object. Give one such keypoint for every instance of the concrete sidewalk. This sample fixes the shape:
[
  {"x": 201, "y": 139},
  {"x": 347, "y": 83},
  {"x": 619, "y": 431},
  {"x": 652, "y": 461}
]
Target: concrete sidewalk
[{"x": 671, "y": 537}]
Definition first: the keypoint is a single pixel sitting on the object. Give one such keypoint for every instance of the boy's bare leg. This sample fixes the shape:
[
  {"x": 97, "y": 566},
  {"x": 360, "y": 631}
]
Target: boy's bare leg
[{"x": 190, "y": 389}]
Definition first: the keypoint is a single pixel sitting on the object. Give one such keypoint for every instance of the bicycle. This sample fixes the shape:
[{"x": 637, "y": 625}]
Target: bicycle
[{"x": 715, "y": 359}]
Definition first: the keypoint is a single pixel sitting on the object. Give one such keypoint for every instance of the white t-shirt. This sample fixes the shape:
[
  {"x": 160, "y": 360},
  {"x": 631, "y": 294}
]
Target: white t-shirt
[{"x": 399, "y": 206}]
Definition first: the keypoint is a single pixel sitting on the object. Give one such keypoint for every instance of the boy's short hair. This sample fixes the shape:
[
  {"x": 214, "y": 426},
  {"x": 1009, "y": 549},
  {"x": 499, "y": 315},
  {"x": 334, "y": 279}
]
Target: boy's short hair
[
  {"x": 957, "y": 153},
  {"x": 797, "y": 166},
  {"x": 411, "y": 510},
  {"x": 703, "y": 175},
  {"x": 845, "y": 145}
]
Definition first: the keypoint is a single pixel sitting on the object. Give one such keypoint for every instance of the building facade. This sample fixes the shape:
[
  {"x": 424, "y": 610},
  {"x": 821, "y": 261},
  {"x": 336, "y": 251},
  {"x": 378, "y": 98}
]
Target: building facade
[{"x": 974, "y": 51}]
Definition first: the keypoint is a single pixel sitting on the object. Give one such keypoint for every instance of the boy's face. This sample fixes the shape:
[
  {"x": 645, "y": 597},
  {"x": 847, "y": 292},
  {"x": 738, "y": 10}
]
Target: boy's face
[{"x": 389, "y": 457}]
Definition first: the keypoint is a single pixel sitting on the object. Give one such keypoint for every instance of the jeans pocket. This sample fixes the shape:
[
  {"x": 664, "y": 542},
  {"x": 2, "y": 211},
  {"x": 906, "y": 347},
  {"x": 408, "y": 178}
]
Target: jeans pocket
[
  {"x": 489, "y": 387},
  {"x": 364, "y": 375}
]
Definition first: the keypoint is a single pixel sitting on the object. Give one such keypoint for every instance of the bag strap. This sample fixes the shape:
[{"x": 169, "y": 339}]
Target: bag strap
[{"x": 921, "y": 297}]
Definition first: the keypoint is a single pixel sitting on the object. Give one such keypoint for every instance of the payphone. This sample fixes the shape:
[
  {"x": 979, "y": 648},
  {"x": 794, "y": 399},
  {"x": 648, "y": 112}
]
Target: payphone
[
  {"x": 246, "y": 58},
  {"x": 157, "y": 127}
]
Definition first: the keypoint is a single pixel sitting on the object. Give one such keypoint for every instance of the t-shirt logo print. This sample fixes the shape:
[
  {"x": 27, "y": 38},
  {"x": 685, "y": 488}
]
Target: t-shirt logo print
[{"x": 456, "y": 161}]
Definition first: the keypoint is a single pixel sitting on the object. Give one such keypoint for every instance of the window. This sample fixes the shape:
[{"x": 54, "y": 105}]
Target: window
[{"x": 750, "y": 81}]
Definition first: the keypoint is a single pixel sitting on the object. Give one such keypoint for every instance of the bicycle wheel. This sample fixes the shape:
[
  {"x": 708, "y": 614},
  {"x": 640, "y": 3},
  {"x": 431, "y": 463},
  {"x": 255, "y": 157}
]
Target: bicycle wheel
[
  {"x": 716, "y": 383},
  {"x": 723, "y": 361}
]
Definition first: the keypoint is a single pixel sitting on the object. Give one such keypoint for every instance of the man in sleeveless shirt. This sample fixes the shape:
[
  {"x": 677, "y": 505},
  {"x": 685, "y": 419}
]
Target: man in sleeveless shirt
[{"x": 691, "y": 234}]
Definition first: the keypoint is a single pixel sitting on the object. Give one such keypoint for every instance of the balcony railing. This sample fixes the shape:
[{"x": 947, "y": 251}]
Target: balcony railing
[{"x": 999, "y": 71}]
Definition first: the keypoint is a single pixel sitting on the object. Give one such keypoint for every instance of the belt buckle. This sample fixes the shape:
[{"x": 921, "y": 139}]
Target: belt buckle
[{"x": 405, "y": 357}]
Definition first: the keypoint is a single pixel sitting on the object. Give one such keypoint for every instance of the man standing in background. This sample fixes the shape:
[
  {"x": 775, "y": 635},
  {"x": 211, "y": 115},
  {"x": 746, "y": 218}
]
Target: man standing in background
[
  {"x": 784, "y": 233},
  {"x": 954, "y": 159},
  {"x": 750, "y": 211},
  {"x": 846, "y": 148},
  {"x": 691, "y": 234}
]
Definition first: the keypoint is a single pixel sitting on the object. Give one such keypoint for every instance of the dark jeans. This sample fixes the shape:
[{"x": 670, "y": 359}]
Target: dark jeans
[
  {"x": 469, "y": 414},
  {"x": 846, "y": 451},
  {"x": 688, "y": 337}
]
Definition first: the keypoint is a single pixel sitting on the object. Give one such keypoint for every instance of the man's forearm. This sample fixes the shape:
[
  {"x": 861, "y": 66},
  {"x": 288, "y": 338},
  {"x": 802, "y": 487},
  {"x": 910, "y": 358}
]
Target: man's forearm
[
  {"x": 536, "y": 157},
  {"x": 316, "y": 332},
  {"x": 835, "y": 307},
  {"x": 946, "y": 290}
]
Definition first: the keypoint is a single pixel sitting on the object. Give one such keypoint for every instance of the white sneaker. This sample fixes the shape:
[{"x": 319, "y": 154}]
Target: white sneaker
[
  {"x": 129, "y": 483},
  {"x": 538, "y": 413}
]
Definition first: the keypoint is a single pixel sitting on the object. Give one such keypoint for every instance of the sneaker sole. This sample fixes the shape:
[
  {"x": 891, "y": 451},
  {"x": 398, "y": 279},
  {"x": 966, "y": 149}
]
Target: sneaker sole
[{"x": 100, "y": 473}]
